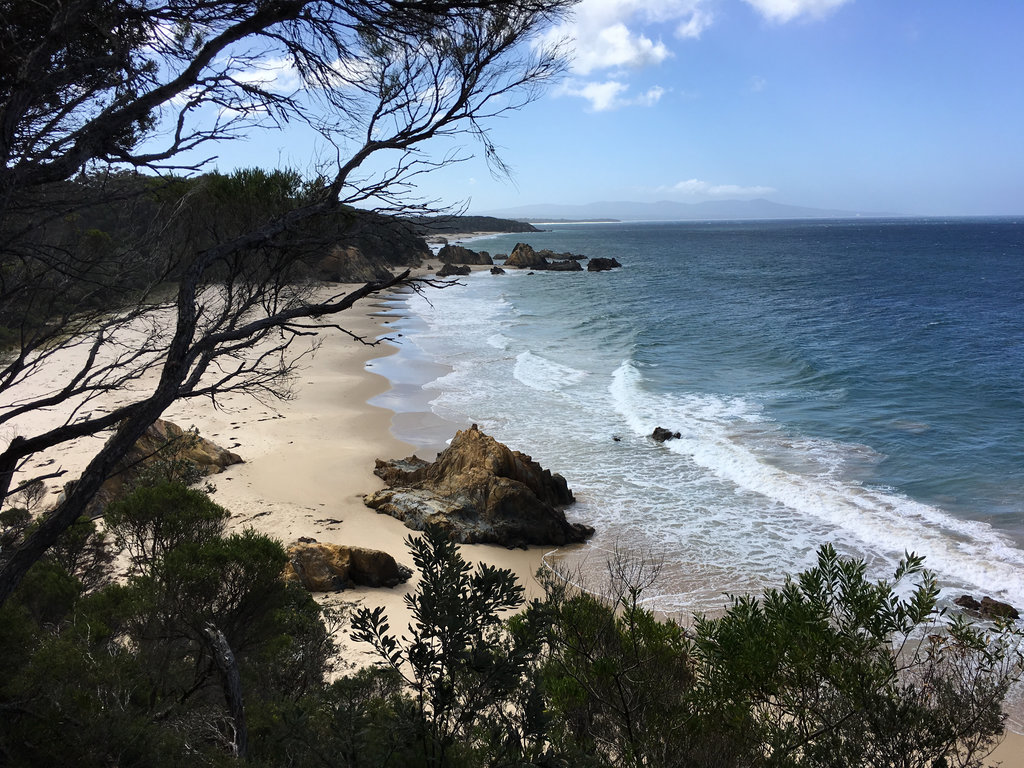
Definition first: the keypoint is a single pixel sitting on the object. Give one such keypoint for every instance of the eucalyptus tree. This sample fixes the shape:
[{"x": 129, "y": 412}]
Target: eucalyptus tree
[{"x": 94, "y": 91}]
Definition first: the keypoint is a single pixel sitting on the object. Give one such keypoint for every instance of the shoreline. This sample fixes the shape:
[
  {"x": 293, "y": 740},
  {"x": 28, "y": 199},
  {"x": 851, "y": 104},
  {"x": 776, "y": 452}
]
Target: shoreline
[
  {"x": 309, "y": 461},
  {"x": 1010, "y": 753}
]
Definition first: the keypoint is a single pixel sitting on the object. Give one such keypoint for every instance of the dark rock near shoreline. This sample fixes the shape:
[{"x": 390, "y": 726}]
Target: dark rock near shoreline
[
  {"x": 988, "y": 608},
  {"x": 449, "y": 269},
  {"x": 479, "y": 491},
  {"x": 564, "y": 265},
  {"x": 524, "y": 257},
  {"x": 660, "y": 435},
  {"x": 331, "y": 567},
  {"x": 497, "y": 271},
  {"x": 350, "y": 265},
  {"x": 457, "y": 254},
  {"x": 601, "y": 264}
]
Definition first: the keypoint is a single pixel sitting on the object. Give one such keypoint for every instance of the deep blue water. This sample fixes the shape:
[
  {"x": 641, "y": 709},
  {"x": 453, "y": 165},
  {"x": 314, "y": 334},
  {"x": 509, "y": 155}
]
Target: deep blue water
[{"x": 860, "y": 382}]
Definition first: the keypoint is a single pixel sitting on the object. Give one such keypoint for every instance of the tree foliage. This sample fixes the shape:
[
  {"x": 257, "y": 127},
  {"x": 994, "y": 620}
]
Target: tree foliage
[
  {"x": 464, "y": 667},
  {"x": 115, "y": 279},
  {"x": 129, "y": 673}
]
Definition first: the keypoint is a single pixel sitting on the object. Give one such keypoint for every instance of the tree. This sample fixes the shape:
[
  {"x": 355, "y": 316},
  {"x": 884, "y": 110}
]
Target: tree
[
  {"x": 168, "y": 666},
  {"x": 836, "y": 670},
  {"x": 102, "y": 85},
  {"x": 466, "y": 669}
]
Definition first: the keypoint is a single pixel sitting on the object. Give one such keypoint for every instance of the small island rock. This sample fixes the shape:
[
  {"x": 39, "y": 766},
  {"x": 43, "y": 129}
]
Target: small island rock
[
  {"x": 601, "y": 264},
  {"x": 660, "y": 435}
]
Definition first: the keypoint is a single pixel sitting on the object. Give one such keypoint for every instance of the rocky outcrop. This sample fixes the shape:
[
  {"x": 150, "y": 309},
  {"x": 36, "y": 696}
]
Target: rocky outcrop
[
  {"x": 457, "y": 254},
  {"x": 497, "y": 271},
  {"x": 564, "y": 265},
  {"x": 449, "y": 270},
  {"x": 323, "y": 567},
  {"x": 479, "y": 491},
  {"x": 660, "y": 435},
  {"x": 988, "y": 608},
  {"x": 523, "y": 256},
  {"x": 164, "y": 443},
  {"x": 601, "y": 264},
  {"x": 349, "y": 265}
]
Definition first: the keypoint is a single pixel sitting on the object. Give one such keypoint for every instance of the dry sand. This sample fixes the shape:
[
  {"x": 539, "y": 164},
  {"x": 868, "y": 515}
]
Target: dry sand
[{"x": 310, "y": 460}]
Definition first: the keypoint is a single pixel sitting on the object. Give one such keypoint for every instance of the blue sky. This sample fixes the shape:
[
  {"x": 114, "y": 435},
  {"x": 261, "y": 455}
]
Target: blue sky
[{"x": 903, "y": 106}]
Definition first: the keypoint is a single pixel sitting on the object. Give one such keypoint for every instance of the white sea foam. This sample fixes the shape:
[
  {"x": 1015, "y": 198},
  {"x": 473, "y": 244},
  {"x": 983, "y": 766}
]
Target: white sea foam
[
  {"x": 546, "y": 375},
  {"x": 960, "y": 551}
]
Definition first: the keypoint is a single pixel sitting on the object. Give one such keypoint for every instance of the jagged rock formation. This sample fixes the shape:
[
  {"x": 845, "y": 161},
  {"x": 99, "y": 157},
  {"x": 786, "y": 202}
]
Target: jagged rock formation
[
  {"x": 523, "y": 256},
  {"x": 497, "y": 271},
  {"x": 449, "y": 269},
  {"x": 988, "y": 608},
  {"x": 479, "y": 491},
  {"x": 331, "y": 567},
  {"x": 349, "y": 265},
  {"x": 166, "y": 442},
  {"x": 601, "y": 264},
  {"x": 564, "y": 265},
  {"x": 457, "y": 254}
]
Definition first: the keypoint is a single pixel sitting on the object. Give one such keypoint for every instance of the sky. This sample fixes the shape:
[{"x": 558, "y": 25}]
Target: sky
[{"x": 889, "y": 106}]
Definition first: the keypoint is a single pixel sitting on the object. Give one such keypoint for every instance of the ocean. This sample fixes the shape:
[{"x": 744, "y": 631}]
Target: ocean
[{"x": 859, "y": 382}]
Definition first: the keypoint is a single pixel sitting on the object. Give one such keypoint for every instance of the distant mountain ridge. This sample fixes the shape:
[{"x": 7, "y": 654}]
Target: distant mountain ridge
[{"x": 667, "y": 210}]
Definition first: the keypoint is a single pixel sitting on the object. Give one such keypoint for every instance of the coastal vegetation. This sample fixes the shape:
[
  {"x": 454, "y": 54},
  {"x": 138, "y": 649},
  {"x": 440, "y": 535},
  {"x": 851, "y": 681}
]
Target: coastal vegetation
[
  {"x": 178, "y": 288},
  {"x": 204, "y": 655},
  {"x": 161, "y": 281}
]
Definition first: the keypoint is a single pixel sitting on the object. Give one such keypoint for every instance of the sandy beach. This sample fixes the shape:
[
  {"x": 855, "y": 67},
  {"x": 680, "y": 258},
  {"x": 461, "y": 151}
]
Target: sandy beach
[{"x": 309, "y": 461}]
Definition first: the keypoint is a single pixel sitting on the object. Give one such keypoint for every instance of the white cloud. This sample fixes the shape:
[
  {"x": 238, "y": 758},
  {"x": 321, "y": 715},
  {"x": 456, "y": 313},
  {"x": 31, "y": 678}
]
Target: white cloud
[
  {"x": 272, "y": 75},
  {"x": 786, "y": 10},
  {"x": 616, "y": 46},
  {"x": 610, "y": 34},
  {"x": 699, "y": 188},
  {"x": 610, "y": 94}
]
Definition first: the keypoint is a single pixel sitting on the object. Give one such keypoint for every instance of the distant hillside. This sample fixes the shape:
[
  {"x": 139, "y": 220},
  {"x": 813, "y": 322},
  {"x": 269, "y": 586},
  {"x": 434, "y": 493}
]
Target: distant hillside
[
  {"x": 672, "y": 211},
  {"x": 446, "y": 225}
]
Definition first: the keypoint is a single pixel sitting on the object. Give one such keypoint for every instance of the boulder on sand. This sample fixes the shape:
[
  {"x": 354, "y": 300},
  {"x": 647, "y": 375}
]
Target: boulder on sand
[
  {"x": 449, "y": 270},
  {"x": 163, "y": 441},
  {"x": 479, "y": 491},
  {"x": 323, "y": 567}
]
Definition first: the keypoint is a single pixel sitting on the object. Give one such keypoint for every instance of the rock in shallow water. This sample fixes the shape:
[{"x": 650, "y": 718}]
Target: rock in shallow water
[{"x": 479, "y": 491}]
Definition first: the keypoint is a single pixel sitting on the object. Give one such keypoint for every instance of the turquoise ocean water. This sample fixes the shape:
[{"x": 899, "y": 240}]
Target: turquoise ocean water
[{"x": 856, "y": 381}]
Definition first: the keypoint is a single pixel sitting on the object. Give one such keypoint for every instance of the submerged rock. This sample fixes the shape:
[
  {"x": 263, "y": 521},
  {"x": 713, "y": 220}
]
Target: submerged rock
[
  {"x": 321, "y": 567},
  {"x": 497, "y": 271},
  {"x": 479, "y": 491}
]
